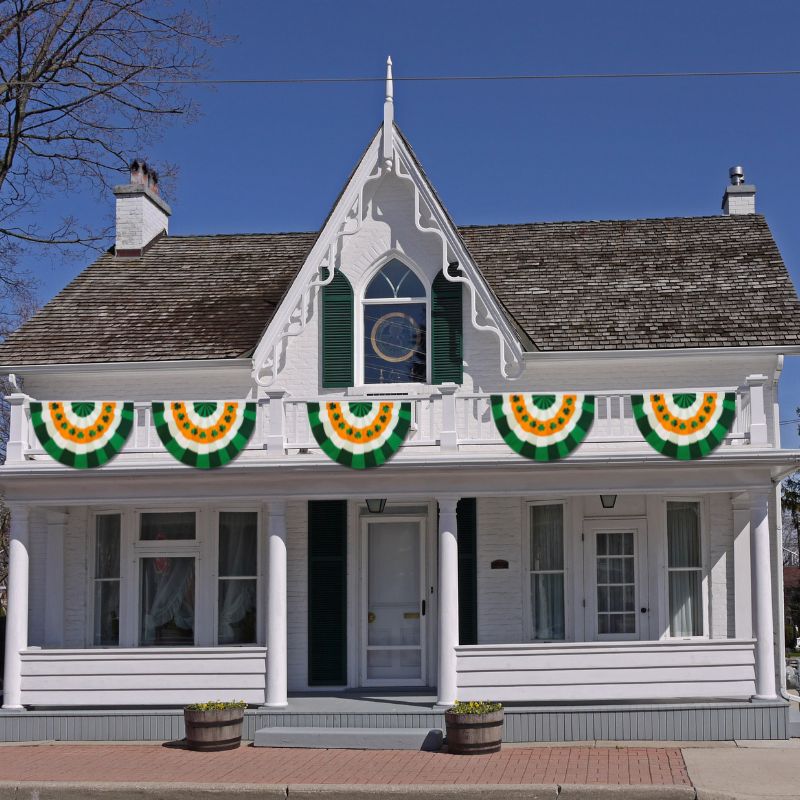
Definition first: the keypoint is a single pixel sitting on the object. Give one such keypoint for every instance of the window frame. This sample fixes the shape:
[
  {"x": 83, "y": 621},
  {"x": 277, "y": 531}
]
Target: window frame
[
  {"x": 526, "y": 572},
  {"x": 703, "y": 518},
  {"x": 358, "y": 328},
  {"x": 205, "y": 551},
  {"x": 91, "y": 574},
  {"x": 261, "y": 622}
]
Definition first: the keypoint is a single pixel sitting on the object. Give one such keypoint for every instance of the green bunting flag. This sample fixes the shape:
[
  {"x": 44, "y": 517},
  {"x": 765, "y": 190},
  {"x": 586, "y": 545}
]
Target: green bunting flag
[
  {"x": 360, "y": 435},
  {"x": 684, "y": 426},
  {"x": 83, "y": 434},
  {"x": 543, "y": 427},
  {"x": 205, "y": 434}
]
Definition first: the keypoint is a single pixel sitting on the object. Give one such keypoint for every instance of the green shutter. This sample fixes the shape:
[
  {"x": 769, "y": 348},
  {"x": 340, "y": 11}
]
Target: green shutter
[
  {"x": 337, "y": 333},
  {"x": 327, "y": 592},
  {"x": 467, "y": 520},
  {"x": 446, "y": 334}
]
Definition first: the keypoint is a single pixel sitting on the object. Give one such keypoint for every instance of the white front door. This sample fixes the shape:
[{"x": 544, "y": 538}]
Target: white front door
[
  {"x": 615, "y": 566},
  {"x": 393, "y": 606}
]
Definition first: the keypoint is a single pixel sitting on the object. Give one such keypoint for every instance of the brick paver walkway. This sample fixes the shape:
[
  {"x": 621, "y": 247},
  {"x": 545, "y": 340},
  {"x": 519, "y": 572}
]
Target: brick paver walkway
[{"x": 528, "y": 765}]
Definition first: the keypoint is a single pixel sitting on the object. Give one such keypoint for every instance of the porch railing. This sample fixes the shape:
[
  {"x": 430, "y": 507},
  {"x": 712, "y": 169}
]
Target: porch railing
[
  {"x": 604, "y": 671},
  {"x": 445, "y": 420}
]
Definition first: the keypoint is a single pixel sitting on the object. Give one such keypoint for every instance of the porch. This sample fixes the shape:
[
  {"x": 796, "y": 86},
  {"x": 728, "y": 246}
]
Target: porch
[
  {"x": 567, "y": 722},
  {"x": 605, "y": 661}
]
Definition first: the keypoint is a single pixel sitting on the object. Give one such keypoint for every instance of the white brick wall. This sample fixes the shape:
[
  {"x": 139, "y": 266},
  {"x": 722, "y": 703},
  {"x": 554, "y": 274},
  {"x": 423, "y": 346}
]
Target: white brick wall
[
  {"x": 297, "y": 550},
  {"x": 37, "y": 587},
  {"x": 139, "y": 220},
  {"x": 720, "y": 567},
  {"x": 499, "y": 590},
  {"x": 75, "y": 577}
]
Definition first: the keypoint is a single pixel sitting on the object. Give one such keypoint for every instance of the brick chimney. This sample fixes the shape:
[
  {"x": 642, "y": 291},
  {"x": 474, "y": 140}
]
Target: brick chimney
[
  {"x": 739, "y": 197},
  {"x": 141, "y": 212}
]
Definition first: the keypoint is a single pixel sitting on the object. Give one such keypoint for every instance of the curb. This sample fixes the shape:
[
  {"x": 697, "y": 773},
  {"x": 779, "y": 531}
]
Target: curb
[{"x": 40, "y": 790}]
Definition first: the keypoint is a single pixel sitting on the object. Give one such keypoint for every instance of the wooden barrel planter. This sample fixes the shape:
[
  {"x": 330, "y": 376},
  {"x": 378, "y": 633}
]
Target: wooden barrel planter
[
  {"x": 213, "y": 730},
  {"x": 474, "y": 734}
]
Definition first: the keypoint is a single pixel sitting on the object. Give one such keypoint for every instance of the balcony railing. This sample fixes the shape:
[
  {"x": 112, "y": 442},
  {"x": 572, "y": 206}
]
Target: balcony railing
[{"x": 444, "y": 420}]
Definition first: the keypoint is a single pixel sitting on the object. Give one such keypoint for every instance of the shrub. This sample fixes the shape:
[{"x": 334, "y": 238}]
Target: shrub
[
  {"x": 217, "y": 705},
  {"x": 476, "y": 707}
]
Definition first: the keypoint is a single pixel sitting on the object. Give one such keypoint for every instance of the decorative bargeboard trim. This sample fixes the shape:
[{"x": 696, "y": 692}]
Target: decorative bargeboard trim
[
  {"x": 205, "y": 434},
  {"x": 543, "y": 427},
  {"x": 360, "y": 435},
  {"x": 685, "y": 426},
  {"x": 84, "y": 434}
]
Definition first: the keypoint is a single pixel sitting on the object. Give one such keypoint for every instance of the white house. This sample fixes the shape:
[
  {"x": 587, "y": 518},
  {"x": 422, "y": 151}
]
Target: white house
[{"x": 532, "y": 463}]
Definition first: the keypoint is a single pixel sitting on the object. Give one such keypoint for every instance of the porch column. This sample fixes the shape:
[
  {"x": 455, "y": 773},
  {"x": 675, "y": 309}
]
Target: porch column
[
  {"x": 762, "y": 596},
  {"x": 17, "y": 614},
  {"x": 276, "y": 607},
  {"x": 448, "y": 601}
]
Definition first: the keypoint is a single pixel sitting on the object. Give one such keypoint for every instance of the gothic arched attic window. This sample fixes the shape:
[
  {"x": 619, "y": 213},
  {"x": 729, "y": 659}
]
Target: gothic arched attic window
[{"x": 395, "y": 331}]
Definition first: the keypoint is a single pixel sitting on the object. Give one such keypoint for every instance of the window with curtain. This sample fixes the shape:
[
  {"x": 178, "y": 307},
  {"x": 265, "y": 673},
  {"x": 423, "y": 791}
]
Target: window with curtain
[
  {"x": 106, "y": 580},
  {"x": 547, "y": 571},
  {"x": 238, "y": 581},
  {"x": 685, "y": 569},
  {"x": 167, "y": 579},
  {"x": 395, "y": 327}
]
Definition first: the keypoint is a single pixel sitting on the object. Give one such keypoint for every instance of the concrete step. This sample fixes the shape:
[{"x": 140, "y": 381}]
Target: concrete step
[
  {"x": 350, "y": 738},
  {"x": 794, "y": 721}
]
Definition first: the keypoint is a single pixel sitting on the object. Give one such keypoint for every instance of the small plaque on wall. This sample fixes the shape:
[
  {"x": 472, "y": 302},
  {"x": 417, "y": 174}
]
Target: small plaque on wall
[{"x": 500, "y": 563}]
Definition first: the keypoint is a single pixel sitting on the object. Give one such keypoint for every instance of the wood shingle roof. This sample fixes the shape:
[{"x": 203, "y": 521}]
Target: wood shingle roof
[{"x": 629, "y": 284}]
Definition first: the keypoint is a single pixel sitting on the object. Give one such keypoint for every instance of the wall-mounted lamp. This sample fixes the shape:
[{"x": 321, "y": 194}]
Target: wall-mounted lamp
[
  {"x": 608, "y": 500},
  {"x": 376, "y": 505}
]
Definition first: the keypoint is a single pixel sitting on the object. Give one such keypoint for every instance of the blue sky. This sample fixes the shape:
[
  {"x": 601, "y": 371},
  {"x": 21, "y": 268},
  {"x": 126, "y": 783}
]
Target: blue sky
[{"x": 274, "y": 158}]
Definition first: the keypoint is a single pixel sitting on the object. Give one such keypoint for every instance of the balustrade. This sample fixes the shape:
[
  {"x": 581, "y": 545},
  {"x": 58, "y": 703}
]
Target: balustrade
[{"x": 445, "y": 420}]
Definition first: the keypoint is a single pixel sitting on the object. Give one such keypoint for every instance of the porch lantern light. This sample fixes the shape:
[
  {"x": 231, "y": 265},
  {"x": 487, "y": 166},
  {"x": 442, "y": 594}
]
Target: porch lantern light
[
  {"x": 608, "y": 500},
  {"x": 376, "y": 505}
]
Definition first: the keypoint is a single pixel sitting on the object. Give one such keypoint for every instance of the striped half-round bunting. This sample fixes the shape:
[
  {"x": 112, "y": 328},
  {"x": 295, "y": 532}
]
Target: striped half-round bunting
[
  {"x": 687, "y": 425},
  {"x": 543, "y": 427},
  {"x": 205, "y": 434},
  {"x": 83, "y": 434},
  {"x": 360, "y": 435}
]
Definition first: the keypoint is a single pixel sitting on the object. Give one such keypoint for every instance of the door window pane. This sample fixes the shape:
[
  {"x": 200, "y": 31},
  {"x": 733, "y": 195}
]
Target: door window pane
[
  {"x": 238, "y": 568},
  {"x": 685, "y": 569},
  {"x": 616, "y": 583},
  {"x": 167, "y": 597},
  {"x": 547, "y": 572},
  {"x": 167, "y": 525}
]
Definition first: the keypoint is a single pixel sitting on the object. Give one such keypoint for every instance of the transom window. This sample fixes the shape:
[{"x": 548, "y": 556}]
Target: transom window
[{"x": 395, "y": 327}]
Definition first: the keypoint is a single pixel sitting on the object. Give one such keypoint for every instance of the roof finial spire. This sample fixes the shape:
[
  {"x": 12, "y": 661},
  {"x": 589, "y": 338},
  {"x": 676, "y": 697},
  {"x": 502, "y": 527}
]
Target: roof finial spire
[{"x": 388, "y": 116}]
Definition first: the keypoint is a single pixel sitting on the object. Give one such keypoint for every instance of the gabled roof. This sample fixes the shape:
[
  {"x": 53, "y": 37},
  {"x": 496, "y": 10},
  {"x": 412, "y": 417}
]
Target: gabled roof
[{"x": 654, "y": 283}]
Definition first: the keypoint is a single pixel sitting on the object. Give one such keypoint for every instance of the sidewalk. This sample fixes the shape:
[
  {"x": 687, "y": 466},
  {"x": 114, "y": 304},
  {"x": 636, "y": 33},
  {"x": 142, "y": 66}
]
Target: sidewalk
[{"x": 725, "y": 771}]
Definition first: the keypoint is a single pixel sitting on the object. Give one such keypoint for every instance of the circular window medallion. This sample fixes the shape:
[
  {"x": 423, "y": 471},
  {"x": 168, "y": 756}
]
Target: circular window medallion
[{"x": 395, "y": 337}]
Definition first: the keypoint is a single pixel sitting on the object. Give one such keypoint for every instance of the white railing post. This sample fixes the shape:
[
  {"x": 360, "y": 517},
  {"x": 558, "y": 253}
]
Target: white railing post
[
  {"x": 448, "y": 436},
  {"x": 758, "y": 417},
  {"x": 18, "y": 429},
  {"x": 275, "y": 440}
]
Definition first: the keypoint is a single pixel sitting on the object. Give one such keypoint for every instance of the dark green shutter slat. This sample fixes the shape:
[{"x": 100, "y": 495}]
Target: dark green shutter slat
[
  {"x": 327, "y": 592},
  {"x": 446, "y": 335},
  {"x": 467, "y": 520},
  {"x": 337, "y": 333}
]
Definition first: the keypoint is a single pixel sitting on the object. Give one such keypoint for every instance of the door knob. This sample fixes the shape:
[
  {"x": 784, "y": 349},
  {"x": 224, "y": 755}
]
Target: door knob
[
  {"x": 644, "y": 610},
  {"x": 371, "y": 616}
]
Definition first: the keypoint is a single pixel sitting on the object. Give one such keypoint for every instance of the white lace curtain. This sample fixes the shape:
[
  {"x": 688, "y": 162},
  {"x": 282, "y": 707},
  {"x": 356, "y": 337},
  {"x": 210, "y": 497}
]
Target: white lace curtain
[
  {"x": 547, "y": 571},
  {"x": 238, "y": 550},
  {"x": 685, "y": 569}
]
